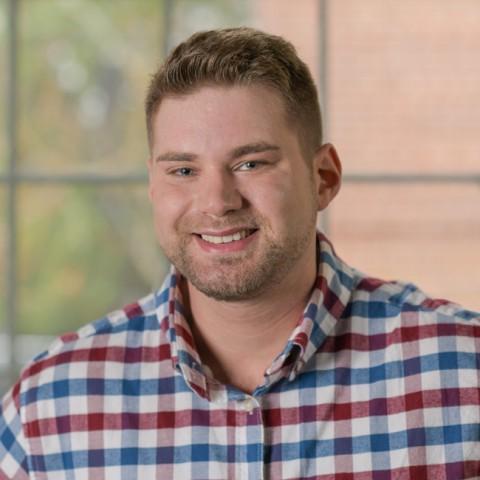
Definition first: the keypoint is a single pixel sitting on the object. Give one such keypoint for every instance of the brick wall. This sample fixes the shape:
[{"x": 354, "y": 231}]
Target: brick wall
[{"x": 403, "y": 95}]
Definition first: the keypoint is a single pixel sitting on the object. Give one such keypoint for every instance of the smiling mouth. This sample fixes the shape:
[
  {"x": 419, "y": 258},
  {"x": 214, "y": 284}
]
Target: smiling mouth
[{"x": 222, "y": 239}]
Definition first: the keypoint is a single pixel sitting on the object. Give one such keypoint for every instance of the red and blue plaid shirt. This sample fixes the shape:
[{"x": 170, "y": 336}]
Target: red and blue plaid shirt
[{"x": 377, "y": 381}]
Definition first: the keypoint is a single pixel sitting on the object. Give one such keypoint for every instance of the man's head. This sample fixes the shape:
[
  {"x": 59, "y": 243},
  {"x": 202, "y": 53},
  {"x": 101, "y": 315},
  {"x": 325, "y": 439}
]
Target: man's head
[
  {"x": 230, "y": 127},
  {"x": 241, "y": 56}
]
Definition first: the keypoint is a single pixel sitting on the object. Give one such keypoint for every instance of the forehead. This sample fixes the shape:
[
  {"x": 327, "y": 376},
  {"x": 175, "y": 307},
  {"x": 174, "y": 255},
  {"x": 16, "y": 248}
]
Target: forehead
[{"x": 220, "y": 113}]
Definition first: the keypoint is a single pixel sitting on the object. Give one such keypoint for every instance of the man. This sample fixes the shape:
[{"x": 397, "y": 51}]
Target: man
[{"x": 263, "y": 355}]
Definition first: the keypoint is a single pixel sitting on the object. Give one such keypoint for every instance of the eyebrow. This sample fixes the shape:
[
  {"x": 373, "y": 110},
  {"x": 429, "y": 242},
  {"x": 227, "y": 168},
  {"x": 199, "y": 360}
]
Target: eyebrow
[
  {"x": 250, "y": 148},
  {"x": 175, "y": 157},
  {"x": 242, "y": 150}
]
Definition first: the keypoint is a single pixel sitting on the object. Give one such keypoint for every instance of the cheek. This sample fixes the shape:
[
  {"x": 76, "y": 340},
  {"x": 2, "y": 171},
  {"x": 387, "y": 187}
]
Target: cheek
[
  {"x": 282, "y": 193},
  {"x": 168, "y": 205},
  {"x": 287, "y": 202},
  {"x": 273, "y": 198}
]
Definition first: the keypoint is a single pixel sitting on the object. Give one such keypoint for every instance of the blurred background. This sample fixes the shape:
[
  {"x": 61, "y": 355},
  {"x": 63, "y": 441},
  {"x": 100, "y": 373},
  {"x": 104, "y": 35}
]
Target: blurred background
[{"x": 400, "y": 89}]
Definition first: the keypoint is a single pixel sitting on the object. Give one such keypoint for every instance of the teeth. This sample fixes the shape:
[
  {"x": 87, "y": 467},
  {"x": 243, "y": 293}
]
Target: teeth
[{"x": 226, "y": 238}]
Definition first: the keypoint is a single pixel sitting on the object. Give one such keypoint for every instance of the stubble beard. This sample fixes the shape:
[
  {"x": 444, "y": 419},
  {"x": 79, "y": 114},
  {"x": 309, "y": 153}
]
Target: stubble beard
[{"x": 237, "y": 277}]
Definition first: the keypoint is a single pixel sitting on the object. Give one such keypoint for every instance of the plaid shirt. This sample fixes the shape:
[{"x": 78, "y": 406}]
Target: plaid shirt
[{"x": 377, "y": 381}]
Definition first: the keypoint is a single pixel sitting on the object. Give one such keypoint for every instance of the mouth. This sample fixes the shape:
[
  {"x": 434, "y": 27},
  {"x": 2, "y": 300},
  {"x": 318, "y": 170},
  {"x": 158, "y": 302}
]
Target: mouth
[{"x": 227, "y": 238}]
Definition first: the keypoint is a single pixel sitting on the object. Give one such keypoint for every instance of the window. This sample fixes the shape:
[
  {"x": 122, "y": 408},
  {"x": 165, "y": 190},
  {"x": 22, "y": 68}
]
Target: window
[
  {"x": 401, "y": 101},
  {"x": 75, "y": 227},
  {"x": 403, "y": 110}
]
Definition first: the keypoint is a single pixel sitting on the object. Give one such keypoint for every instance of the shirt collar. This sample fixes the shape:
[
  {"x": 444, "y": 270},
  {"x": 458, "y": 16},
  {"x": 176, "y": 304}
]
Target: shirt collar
[
  {"x": 330, "y": 295},
  {"x": 172, "y": 317}
]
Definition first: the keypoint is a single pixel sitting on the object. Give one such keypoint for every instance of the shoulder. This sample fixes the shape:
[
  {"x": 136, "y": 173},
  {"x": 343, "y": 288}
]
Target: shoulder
[
  {"x": 402, "y": 319},
  {"x": 377, "y": 298},
  {"x": 107, "y": 343},
  {"x": 134, "y": 316}
]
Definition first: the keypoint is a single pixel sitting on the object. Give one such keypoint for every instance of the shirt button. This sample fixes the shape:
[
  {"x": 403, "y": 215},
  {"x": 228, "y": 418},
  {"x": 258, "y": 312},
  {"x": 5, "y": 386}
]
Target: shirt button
[{"x": 248, "y": 405}]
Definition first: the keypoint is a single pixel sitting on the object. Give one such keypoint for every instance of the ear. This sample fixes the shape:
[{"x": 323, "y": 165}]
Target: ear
[{"x": 327, "y": 171}]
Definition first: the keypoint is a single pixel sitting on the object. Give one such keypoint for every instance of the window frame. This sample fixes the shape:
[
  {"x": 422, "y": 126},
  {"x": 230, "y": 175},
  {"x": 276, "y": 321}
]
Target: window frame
[{"x": 12, "y": 179}]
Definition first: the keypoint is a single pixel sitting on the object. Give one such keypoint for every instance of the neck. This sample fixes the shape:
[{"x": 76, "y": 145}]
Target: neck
[{"x": 239, "y": 340}]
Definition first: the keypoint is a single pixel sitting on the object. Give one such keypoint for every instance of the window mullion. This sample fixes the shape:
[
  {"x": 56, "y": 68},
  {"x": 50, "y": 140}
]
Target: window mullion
[{"x": 11, "y": 127}]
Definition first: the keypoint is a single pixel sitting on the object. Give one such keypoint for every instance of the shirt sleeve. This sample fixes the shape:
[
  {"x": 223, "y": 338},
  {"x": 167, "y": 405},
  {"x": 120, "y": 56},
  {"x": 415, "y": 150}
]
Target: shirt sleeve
[{"x": 13, "y": 453}]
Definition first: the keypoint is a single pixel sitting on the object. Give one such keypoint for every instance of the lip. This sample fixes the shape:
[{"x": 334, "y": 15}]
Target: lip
[
  {"x": 232, "y": 247},
  {"x": 223, "y": 233}
]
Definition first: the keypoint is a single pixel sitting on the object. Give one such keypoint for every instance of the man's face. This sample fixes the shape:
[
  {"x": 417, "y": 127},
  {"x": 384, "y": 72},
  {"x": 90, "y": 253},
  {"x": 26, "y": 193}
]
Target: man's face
[{"x": 234, "y": 201}]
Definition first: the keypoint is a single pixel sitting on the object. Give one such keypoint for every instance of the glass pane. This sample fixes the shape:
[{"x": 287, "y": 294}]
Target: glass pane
[
  {"x": 84, "y": 69},
  {"x": 298, "y": 22},
  {"x": 404, "y": 92},
  {"x": 3, "y": 79},
  {"x": 84, "y": 251},
  {"x": 189, "y": 16},
  {"x": 427, "y": 235},
  {"x": 4, "y": 341},
  {"x": 3, "y": 253}
]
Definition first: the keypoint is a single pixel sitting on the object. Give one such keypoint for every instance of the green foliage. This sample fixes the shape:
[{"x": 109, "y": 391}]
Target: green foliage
[
  {"x": 84, "y": 66},
  {"x": 74, "y": 265}
]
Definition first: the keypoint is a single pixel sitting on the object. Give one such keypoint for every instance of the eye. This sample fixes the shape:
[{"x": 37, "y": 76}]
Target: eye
[
  {"x": 250, "y": 165},
  {"x": 183, "y": 172}
]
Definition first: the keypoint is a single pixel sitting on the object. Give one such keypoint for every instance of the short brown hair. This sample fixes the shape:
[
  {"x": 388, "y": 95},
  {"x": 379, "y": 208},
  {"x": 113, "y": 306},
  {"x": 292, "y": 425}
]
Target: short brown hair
[{"x": 241, "y": 56}]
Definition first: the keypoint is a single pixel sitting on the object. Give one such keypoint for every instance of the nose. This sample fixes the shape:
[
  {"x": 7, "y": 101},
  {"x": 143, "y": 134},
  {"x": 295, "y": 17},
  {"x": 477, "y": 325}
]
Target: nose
[{"x": 218, "y": 194}]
